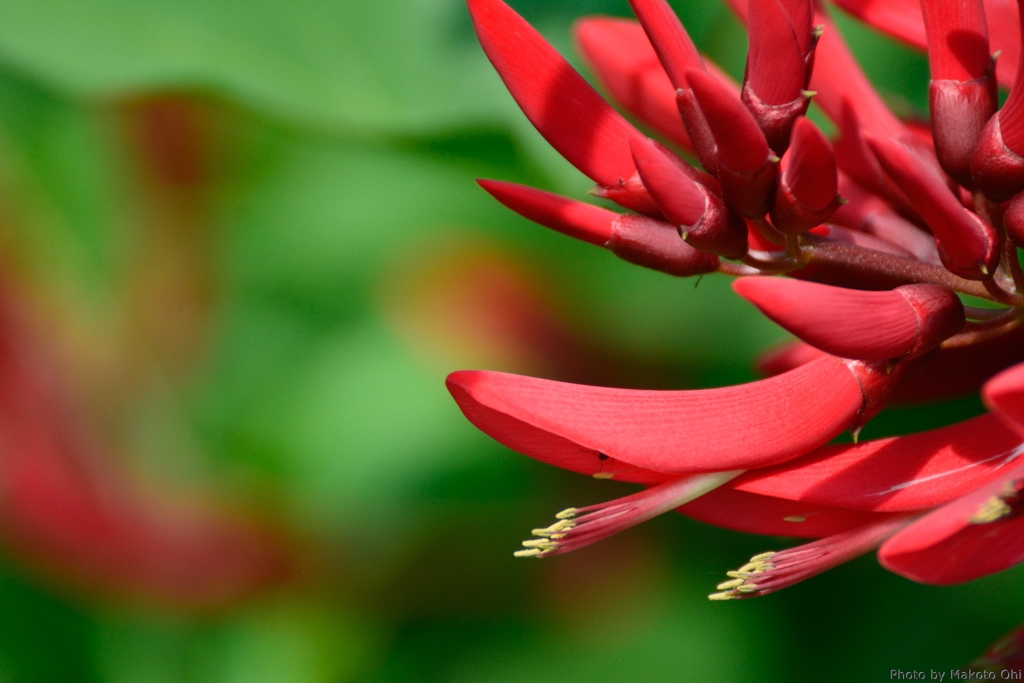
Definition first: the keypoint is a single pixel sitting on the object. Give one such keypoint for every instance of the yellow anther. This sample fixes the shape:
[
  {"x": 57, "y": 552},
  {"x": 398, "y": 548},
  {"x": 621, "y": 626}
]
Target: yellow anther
[
  {"x": 726, "y": 595},
  {"x": 532, "y": 552},
  {"x": 542, "y": 543},
  {"x": 567, "y": 513},
  {"x": 762, "y": 557},
  {"x": 808, "y": 94},
  {"x": 738, "y": 575},
  {"x": 559, "y": 526},
  {"x": 726, "y": 585},
  {"x": 604, "y": 475},
  {"x": 747, "y": 588},
  {"x": 992, "y": 509}
]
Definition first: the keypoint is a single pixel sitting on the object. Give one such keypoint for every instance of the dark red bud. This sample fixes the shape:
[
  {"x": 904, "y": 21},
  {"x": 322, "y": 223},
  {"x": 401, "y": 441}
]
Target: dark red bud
[
  {"x": 959, "y": 112},
  {"x": 700, "y": 215},
  {"x": 1013, "y": 219},
  {"x": 996, "y": 170},
  {"x": 697, "y": 130},
  {"x": 637, "y": 239},
  {"x": 658, "y": 246},
  {"x": 747, "y": 168},
  {"x": 967, "y": 245},
  {"x": 807, "y": 192}
]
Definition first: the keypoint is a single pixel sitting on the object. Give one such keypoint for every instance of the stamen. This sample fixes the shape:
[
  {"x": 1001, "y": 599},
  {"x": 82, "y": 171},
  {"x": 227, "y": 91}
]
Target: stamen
[
  {"x": 772, "y": 571},
  {"x": 579, "y": 527}
]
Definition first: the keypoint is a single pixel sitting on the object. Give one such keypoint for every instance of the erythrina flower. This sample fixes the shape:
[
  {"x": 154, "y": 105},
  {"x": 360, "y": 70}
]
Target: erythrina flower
[{"x": 860, "y": 246}]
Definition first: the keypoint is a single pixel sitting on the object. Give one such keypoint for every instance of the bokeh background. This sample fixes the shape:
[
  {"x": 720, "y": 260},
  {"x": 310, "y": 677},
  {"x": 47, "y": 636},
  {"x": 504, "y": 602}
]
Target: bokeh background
[{"x": 240, "y": 249}]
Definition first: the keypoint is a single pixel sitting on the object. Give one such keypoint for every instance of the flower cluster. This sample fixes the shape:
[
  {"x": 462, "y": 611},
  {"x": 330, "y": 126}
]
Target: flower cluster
[{"x": 878, "y": 232}]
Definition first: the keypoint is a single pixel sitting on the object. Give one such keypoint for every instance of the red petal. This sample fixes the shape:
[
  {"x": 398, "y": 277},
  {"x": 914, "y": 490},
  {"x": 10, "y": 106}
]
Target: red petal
[
  {"x": 968, "y": 246},
  {"x": 775, "y": 63},
  {"x": 570, "y": 115},
  {"x": 1004, "y": 394},
  {"x": 957, "y": 40},
  {"x": 839, "y": 82},
  {"x": 637, "y": 239},
  {"x": 856, "y": 324},
  {"x": 974, "y": 536},
  {"x": 756, "y": 514},
  {"x": 678, "y": 197},
  {"x": 786, "y": 357},
  {"x": 809, "y": 169},
  {"x": 912, "y": 472},
  {"x": 670, "y": 40},
  {"x": 622, "y": 57},
  {"x": 902, "y": 19},
  {"x": 707, "y": 430},
  {"x": 741, "y": 143}
]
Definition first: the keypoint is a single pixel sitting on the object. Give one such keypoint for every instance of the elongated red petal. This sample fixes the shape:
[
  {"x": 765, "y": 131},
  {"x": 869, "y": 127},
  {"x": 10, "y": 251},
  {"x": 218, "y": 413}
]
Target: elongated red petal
[
  {"x": 622, "y": 57},
  {"x": 741, "y": 143},
  {"x": 968, "y": 246},
  {"x": 1004, "y": 394},
  {"x": 570, "y": 114},
  {"x": 775, "y": 63},
  {"x": 974, "y": 536},
  {"x": 670, "y": 40},
  {"x": 703, "y": 219},
  {"x": 809, "y": 168},
  {"x": 912, "y": 472},
  {"x": 857, "y": 324},
  {"x": 957, "y": 40},
  {"x": 637, "y": 239},
  {"x": 679, "y": 431},
  {"x": 756, "y": 514}
]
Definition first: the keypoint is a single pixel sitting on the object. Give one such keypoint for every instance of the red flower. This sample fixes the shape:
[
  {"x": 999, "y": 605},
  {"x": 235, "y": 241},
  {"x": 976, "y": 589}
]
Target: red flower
[{"x": 878, "y": 230}]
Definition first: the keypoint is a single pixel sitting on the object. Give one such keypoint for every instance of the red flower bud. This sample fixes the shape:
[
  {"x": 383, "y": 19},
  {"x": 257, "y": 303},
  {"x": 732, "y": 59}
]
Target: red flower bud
[
  {"x": 806, "y": 195},
  {"x": 700, "y": 215},
  {"x": 967, "y": 245},
  {"x": 854, "y": 324},
  {"x": 639, "y": 240}
]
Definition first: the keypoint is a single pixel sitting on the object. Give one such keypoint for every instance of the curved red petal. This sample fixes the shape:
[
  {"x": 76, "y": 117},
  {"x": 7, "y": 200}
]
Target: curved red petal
[
  {"x": 669, "y": 38},
  {"x": 857, "y": 324},
  {"x": 809, "y": 168},
  {"x": 568, "y": 216},
  {"x": 708, "y": 430},
  {"x": 775, "y": 63},
  {"x": 622, "y": 57},
  {"x": 569, "y": 113},
  {"x": 974, "y": 536},
  {"x": 968, "y": 246},
  {"x": 900, "y": 473},
  {"x": 741, "y": 144}
]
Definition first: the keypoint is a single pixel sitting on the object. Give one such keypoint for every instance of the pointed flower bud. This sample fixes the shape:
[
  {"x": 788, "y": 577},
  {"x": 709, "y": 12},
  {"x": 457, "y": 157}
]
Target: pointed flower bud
[
  {"x": 747, "y": 168},
  {"x": 997, "y": 166},
  {"x": 856, "y": 324},
  {"x": 976, "y": 535},
  {"x": 807, "y": 192},
  {"x": 773, "y": 571},
  {"x": 563, "y": 107},
  {"x": 962, "y": 93},
  {"x": 775, "y": 77},
  {"x": 967, "y": 245},
  {"x": 637, "y": 239},
  {"x": 700, "y": 215}
]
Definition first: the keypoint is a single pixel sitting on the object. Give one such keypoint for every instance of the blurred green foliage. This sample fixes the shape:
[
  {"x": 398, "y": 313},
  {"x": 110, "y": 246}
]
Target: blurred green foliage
[{"x": 350, "y": 134}]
